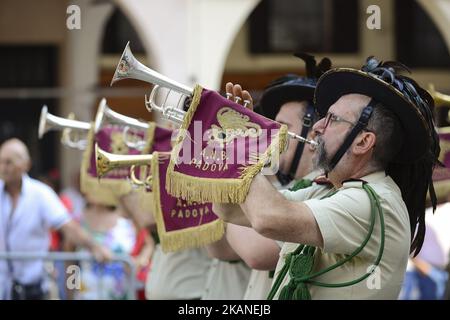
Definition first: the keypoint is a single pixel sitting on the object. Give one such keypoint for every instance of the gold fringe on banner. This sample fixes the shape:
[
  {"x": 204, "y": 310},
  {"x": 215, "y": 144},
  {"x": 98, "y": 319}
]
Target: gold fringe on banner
[
  {"x": 225, "y": 190},
  {"x": 188, "y": 238},
  {"x": 106, "y": 191}
]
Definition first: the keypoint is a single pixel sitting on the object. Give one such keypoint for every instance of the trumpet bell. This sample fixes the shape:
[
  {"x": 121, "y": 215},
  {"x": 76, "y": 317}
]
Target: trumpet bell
[
  {"x": 42, "y": 122},
  {"x": 130, "y": 68},
  {"x": 49, "y": 122},
  {"x": 104, "y": 111},
  {"x": 440, "y": 99},
  {"x": 105, "y": 161}
]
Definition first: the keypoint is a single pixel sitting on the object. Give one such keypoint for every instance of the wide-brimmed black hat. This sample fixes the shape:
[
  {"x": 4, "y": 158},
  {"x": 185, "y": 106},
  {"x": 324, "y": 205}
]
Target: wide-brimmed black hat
[
  {"x": 412, "y": 104},
  {"x": 292, "y": 87}
]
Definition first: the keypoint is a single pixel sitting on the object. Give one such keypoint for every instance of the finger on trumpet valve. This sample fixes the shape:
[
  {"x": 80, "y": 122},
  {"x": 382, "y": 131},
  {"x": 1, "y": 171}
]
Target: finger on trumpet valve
[
  {"x": 229, "y": 95},
  {"x": 246, "y": 103},
  {"x": 237, "y": 99}
]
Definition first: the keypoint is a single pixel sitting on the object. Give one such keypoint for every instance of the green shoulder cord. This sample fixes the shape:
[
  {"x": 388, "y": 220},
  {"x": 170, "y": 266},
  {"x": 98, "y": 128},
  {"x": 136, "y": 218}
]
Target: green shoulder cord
[
  {"x": 300, "y": 262},
  {"x": 301, "y": 184}
]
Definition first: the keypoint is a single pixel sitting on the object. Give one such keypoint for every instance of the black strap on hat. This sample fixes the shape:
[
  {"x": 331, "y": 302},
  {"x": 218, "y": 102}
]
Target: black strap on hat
[
  {"x": 308, "y": 121},
  {"x": 360, "y": 125}
]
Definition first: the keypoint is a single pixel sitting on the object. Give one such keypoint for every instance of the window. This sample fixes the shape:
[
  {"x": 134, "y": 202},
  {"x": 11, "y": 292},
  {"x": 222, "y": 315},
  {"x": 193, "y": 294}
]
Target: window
[
  {"x": 28, "y": 67},
  {"x": 118, "y": 32},
  {"x": 419, "y": 43},
  {"x": 305, "y": 25}
]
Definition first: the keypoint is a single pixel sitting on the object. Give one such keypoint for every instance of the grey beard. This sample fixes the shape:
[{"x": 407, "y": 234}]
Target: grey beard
[{"x": 322, "y": 161}]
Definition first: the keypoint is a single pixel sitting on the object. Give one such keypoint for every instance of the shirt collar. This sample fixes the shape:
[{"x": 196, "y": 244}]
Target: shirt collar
[
  {"x": 374, "y": 176},
  {"x": 24, "y": 187},
  {"x": 370, "y": 178},
  {"x": 313, "y": 174}
]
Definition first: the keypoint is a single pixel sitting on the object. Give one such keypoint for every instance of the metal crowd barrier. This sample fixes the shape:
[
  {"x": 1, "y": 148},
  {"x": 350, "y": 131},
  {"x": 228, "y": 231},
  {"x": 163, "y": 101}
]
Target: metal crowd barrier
[{"x": 76, "y": 256}]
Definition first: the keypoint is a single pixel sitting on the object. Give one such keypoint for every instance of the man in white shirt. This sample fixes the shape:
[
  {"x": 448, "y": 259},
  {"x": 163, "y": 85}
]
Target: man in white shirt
[{"x": 28, "y": 209}]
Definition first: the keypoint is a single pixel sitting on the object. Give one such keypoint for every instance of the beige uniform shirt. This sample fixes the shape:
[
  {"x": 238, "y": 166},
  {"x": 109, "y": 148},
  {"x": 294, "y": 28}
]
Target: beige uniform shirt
[
  {"x": 258, "y": 286},
  {"x": 177, "y": 275},
  {"x": 226, "y": 280},
  {"x": 260, "y": 282},
  {"x": 344, "y": 219}
]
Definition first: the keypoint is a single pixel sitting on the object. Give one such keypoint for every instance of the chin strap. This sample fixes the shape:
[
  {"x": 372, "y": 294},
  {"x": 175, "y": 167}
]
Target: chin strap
[
  {"x": 360, "y": 125},
  {"x": 308, "y": 121}
]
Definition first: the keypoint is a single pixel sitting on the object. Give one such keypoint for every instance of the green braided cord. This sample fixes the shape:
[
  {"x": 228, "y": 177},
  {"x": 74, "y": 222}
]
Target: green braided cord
[
  {"x": 374, "y": 198},
  {"x": 297, "y": 287},
  {"x": 299, "y": 264},
  {"x": 301, "y": 184},
  {"x": 283, "y": 271}
]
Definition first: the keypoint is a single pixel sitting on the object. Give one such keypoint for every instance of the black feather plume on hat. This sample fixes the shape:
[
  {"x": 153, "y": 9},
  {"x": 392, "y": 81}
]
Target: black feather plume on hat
[
  {"x": 292, "y": 87},
  {"x": 314, "y": 70},
  {"x": 415, "y": 179}
]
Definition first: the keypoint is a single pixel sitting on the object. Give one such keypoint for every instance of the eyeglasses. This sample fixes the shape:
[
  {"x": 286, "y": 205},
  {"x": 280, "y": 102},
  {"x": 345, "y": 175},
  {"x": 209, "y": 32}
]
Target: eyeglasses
[{"x": 331, "y": 117}]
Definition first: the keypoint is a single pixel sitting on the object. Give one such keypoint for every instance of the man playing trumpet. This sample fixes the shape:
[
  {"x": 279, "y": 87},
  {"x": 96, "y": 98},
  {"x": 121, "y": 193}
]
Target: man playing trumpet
[{"x": 378, "y": 147}]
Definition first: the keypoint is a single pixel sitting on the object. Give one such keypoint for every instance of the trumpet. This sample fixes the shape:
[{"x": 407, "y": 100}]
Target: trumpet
[
  {"x": 439, "y": 98},
  {"x": 104, "y": 111},
  {"x": 130, "y": 68},
  {"x": 48, "y": 122},
  {"x": 105, "y": 162}
]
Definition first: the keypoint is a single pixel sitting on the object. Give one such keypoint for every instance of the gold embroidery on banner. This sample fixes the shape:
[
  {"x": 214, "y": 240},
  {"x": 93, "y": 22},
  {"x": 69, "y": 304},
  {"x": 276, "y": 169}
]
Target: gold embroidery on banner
[
  {"x": 183, "y": 213},
  {"x": 205, "y": 166},
  {"x": 118, "y": 146},
  {"x": 233, "y": 124}
]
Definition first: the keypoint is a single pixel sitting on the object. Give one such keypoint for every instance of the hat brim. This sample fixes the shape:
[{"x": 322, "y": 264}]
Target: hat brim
[
  {"x": 275, "y": 97},
  {"x": 338, "y": 82}
]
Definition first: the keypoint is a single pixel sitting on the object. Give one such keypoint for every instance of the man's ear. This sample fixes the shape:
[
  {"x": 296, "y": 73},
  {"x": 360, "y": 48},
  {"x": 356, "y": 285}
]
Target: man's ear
[
  {"x": 27, "y": 166},
  {"x": 364, "y": 142}
]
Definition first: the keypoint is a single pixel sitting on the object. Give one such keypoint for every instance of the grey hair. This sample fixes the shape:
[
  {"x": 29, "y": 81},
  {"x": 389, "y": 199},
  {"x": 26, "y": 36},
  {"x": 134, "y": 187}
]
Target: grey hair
[{"x": 389, "y": 135}]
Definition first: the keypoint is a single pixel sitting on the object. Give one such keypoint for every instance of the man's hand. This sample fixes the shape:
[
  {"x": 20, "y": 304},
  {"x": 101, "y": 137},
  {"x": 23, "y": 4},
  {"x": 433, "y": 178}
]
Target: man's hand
[{"x": 234, "y": 92}]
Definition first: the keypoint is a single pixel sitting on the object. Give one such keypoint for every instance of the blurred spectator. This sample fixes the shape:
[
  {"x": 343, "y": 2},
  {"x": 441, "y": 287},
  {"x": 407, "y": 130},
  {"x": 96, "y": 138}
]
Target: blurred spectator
[
  {"x": 426, "y": 275},
  {"x": 58, "y": 268},
  {"x": 28, "y": 209},
  {"x": 142, "y": 253},
  {"x": 106, "y": 225},
  {"x": 72, "y": 193}
]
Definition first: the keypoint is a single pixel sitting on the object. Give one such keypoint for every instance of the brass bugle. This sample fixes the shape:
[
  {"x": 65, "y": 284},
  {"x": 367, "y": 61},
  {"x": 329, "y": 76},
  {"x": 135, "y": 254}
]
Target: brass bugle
[
  {"x": 106, "y": 161},
  {"x": 49, "y": 122},
  {"x": 130, "y": 67}
]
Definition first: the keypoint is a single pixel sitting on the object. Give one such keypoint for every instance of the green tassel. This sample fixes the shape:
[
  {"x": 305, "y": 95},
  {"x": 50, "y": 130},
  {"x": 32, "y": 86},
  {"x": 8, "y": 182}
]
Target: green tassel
[
  {"x": 300, "y": 266},
  {"x": 301, "y": 292},
  {"x": 287, "y": 292}
]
